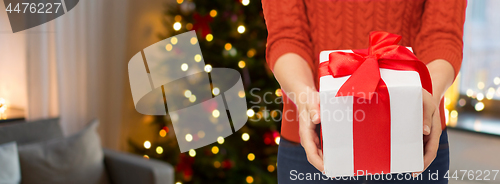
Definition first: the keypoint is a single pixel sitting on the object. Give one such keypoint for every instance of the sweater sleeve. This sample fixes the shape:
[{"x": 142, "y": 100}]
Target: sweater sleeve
[
  {"x": 288, "y": 30},
  {"x": 441, "y": 32}
]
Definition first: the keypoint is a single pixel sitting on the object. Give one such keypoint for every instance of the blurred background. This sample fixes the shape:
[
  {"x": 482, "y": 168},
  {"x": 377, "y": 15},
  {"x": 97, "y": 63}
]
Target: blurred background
[{"x": 75, "y": 68}]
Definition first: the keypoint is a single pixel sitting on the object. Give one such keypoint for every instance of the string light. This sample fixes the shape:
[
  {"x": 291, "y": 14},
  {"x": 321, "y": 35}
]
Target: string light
[
  {"x": 462, "y": 102},
  {"x": 208, "y": 68},
  {"x": 274, "y": 113},
  {"x": 193, "y": 40},
  {"x": 251, "y": 156},
  {"x": 146, "y": 156},
  {"x": 147, "y": 144},
  {"x": 201, "y": 134},
  {"x": 233, "y": 52},
  {"x": 250, "y": 113},
  {"x": 249, "y": 179},
  {"x": 187, "y": 93},
  {"x": 189, "y": 137},
  {"x": 216, "y": 91},
  {"x": 215, "y": 149},
  {"x": 192, "y": 152},
  {"x": 215, "y": 113},
  {"x": 216, "y": 164},
  {"x": 220, "y": 140},
  {"x": 173, "y": 40},
  {"x": 479, "y": 106},
  {"x": 228, "y": 46},
  {"x": 241, "y": 29},
  {"x": 168, "y": 47},
  {"x": 197, "y": 58},
  {"x": 213, "y": 13},
  {"x": 184, "y": 67},
  {"x": 241, "y": 64},
  {"x": 469, "y": 92},
  {"x": 163, "y": 133},
  {"x": 209, "y": 37},
  {"x": 496, "y": 80},
  {"x": 245, "y": 136},
  {"x": 245, "y": 2},
  {"x": 279, "y": 92},
  {"x": 480, "y": 96},
  {"x": 490, "y": 94},
  {"x": 177, "y": 18},
  {"x": 180, "y": 1},
  {"x": 277, "y": 140},
  {"x": 192, "y": 98},
  {"x": 454, "y": 114},
  {"x": 480, "y": 85},
  {"x": 177, "y": 26},
  {"x": 251, "y": 53},
  {"x": 270, "y": 168},
  {"x": 159, "y": 150},
  {"x": 241, "y": 94},
  {"x": 189, "y": 26}
]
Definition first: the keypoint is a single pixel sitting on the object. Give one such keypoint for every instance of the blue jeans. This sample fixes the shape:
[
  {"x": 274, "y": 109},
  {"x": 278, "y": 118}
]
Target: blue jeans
[{"x": 293, "y": 168}]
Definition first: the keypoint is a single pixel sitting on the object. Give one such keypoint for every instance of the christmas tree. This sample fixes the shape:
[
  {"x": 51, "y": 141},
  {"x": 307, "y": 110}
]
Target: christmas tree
[{"x": 231, "y": 34}]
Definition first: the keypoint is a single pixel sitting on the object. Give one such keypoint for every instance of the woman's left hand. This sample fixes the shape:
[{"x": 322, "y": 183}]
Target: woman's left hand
[
  {"x": 431, "y": 127},
  {"x": 442, "y": 76}
]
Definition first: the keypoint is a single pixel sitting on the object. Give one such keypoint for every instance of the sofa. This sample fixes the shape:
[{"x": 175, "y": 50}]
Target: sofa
[{"x": 121, "y": 168}]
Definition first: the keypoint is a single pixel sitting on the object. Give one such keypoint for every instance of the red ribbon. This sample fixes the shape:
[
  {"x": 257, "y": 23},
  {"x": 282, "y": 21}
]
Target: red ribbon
[
  {"x": 371, "y": 135},
  {"x": 364, "y": 68}
]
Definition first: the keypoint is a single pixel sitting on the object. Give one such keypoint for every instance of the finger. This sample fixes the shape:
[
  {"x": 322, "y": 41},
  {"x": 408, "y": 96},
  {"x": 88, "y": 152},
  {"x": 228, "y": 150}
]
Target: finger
[
  {"x": 313, "y": 153},
  {"x": 429, "y": 109},
  {"x": 314, "y": 114},
  {"x": 432, "y": 145},
  {"x": 314, "y": 110},
  {"x": 309, "y": 140}
]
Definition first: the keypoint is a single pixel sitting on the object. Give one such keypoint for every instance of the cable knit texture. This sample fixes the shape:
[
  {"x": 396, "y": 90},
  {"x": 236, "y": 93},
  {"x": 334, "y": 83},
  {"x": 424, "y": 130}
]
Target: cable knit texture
[{"x": 433, "y": 28}]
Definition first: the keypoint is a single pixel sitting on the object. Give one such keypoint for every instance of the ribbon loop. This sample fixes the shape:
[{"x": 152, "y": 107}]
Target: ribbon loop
[{"x": 383, "y": 52}]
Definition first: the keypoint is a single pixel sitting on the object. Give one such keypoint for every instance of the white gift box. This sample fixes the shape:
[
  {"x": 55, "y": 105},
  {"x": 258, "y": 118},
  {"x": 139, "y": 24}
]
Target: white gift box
[{"x": 406, "y": 122}]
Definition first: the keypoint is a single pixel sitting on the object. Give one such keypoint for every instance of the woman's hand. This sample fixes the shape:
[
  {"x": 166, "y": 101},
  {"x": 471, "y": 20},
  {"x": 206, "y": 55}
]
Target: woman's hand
[
  {"x": 432, "y": 127},
  {"x": 309, "y": 117},
  {"x": 442, "y": 76},
  {"x": 296, "y": 79}
]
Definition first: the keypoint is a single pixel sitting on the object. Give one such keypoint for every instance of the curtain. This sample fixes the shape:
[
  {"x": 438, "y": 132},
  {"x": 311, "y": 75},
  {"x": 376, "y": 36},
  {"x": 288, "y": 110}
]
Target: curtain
[{"x": 76, "y": 66}]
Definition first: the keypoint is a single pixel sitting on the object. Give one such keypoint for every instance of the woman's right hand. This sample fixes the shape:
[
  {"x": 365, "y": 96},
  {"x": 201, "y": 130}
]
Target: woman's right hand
[
  {"x": 296, "y": 78},
  {"x": 309, "y": 118}
]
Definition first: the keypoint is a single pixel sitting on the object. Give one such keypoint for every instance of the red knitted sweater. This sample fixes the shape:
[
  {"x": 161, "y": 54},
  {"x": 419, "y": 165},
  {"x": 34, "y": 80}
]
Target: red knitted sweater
[{"x": 433, "y": 28}]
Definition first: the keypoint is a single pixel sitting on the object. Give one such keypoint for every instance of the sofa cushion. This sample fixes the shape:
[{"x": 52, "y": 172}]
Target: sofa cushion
[
  {"x": 9, "y": 164},
  {"x": 77, "y": 159},
  {"x": 30, "y": 132}
]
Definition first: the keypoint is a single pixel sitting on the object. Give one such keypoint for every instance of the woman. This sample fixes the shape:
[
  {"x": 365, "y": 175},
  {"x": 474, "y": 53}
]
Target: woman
[{"x": 300, "y": 29}]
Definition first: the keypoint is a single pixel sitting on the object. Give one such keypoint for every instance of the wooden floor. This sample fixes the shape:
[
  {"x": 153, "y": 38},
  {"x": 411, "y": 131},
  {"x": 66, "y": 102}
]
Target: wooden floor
[{"x": 473, "y": 151}]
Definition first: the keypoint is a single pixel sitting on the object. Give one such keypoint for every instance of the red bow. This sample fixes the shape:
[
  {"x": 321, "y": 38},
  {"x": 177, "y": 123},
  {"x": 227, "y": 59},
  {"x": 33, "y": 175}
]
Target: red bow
[{"x": 363, "y": 67}]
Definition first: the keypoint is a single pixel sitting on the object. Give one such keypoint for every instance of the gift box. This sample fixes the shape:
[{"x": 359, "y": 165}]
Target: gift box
[{"x": 371, "y": 108}]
